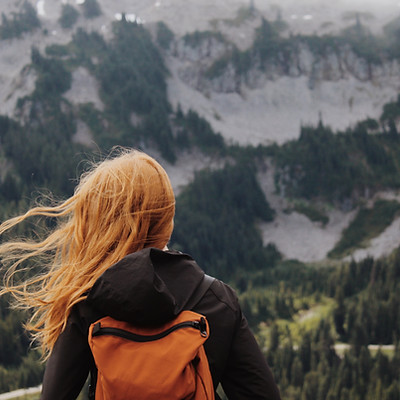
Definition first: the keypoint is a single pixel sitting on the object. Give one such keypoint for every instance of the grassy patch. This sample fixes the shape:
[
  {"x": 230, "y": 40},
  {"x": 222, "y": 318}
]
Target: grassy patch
[
  {"x": 305, "y": 320},
  {"x": 311, "y": 212},
  {"x": 369, "y": 223}
]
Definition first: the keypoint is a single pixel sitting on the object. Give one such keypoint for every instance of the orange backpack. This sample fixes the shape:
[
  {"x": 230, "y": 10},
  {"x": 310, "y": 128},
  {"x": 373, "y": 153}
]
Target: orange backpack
[{"x": 163, "y": 363}]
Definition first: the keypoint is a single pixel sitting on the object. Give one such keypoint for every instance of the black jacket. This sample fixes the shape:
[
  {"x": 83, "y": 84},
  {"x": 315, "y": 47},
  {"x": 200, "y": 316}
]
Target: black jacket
[{"x": 148, "y": 288}]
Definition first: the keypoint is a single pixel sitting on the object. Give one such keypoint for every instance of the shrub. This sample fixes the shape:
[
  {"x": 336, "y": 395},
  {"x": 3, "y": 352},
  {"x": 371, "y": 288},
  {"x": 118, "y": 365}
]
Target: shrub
[
  {"x": 24, "y": 21},
  {"x": 164, "y": 35},
  {"x": 368, "y": 224},
  {"x": 69, "y": 15},
  {"x": 91, "y": 9}
]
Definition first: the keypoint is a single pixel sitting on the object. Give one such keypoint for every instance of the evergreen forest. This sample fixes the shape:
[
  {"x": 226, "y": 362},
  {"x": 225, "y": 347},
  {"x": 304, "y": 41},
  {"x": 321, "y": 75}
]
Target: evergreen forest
[{"x": 329, "y": 330}]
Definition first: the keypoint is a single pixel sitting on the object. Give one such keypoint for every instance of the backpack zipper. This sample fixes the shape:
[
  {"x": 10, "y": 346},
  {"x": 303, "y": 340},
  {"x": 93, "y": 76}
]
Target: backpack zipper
[{"x": 98, "y": 330}]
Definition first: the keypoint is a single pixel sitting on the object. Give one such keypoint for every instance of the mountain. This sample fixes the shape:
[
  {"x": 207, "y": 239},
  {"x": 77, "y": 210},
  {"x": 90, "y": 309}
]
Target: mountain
[
  {"x": 329, "y": 77},
  {"x": 279, "y": 128}
]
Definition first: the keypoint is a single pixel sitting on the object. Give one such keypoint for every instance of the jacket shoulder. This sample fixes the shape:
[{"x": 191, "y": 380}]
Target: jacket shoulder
[{"x": 225, "y": 294}]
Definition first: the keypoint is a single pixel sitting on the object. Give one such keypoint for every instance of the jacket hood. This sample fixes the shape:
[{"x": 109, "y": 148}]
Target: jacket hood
[{"x": 149, "y": 287}]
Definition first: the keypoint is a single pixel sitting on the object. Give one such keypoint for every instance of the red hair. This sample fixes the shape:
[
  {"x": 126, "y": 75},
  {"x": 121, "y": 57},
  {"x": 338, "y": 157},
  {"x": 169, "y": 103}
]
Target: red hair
[{"x": 122, "y": 205}]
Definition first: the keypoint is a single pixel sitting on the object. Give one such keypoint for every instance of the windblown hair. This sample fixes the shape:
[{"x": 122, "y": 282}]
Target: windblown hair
[{"x": 122, "y": 205}]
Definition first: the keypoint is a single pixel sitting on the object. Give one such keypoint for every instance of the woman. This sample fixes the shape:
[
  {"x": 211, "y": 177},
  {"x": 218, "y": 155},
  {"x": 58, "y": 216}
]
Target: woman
[{"x": 121, "y": 216}]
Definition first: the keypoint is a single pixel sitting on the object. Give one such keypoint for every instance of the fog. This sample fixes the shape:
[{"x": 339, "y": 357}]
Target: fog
[{"x": 303, "y": 16}]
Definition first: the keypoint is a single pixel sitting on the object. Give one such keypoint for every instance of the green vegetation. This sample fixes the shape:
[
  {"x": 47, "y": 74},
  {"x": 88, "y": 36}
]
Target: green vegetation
[
  {"x": 164, "y": 35},
  {"x": 298, "y": 312},
  {"x": 336, "y": 167},
  {"x": 69, "y": 16},
  {"x": 368, "y": 223},
  {"x": 91, "y": 9},
  {"x": 226, "y": 201},
  {"x": 311, "y": 212},
  {"x": 194, "y": 131},
  {"x": 86, "y": 49},
  {"x": 391, "y": 113},
  {"x": 94, "y": 120},
  {"x": 132, "y": 75},
  {"x": 266, "y": 47},
  {"x": 41, "y": 154},
  {"x": 56, "y": 50},
  {"x": 267, "y": 43},
  {"x": 20, "y": 366},
  {"x": 272, "y": 50},
  {"x": 355, "y": 303},
  {"x": 196, "y": 38},
  {"x": 363, "y": 43},
  {"x": 308, "y": 312},
  {"x": 26, "y": 20},
  {"x": 53, "y": 78}
]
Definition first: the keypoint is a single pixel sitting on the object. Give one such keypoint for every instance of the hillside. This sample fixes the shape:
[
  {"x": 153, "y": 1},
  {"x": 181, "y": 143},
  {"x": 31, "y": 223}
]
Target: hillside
[
  {"x": 341, "y": 92},
  {"x": 337, "y": 86},
  {"x": 279, "y": 127}
]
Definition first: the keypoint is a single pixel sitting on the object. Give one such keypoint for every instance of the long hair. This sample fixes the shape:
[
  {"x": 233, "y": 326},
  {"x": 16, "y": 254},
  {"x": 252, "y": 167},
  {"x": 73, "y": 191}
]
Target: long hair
[{"x": 122, "y": 205}]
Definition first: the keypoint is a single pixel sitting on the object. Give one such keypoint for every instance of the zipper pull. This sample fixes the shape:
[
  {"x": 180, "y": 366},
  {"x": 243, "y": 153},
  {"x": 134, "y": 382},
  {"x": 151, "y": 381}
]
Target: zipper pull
[{"x": 203, "y": 327}]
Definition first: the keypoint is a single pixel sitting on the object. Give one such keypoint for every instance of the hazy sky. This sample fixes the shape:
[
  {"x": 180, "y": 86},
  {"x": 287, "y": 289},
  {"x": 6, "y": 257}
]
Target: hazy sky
[{"x": 304, "y": 16}]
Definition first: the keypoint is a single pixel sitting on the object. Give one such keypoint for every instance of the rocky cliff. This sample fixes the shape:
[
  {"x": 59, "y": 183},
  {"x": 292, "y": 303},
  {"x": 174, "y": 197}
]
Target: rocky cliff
[
  {"x": 265, "y": 103},
  {"x": 337, "y": 86}
]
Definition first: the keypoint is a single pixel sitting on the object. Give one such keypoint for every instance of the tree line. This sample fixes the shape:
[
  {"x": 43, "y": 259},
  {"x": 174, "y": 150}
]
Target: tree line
[
  {"x": 273, "y": 51},
  {"x": 217, "y": 213},
  {"x": 342, "y": 165},
  {"x": 366, "y": 312}
]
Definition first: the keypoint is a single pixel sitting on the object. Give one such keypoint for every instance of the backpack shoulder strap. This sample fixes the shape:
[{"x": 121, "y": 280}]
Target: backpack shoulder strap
[{"x": 200, "y": 291}]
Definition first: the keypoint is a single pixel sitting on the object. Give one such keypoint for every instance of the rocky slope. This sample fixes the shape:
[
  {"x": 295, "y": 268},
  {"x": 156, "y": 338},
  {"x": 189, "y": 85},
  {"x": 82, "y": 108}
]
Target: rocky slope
[{"x": 338, "y": 87}]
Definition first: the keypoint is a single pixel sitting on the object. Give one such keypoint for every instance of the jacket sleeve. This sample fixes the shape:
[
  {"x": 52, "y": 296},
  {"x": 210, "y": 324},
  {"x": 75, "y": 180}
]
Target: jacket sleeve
[
  {"x": 69, "y": 363},
  {"x": 247, "y": 374}
]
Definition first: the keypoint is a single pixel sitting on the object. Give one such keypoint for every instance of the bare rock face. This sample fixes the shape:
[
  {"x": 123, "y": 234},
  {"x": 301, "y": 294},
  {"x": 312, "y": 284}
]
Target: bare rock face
[
  {"x": 248, "y": 108},
  {"x": 196, "y": 58},
  {"x": 305, "y": 60},
  {"x": 253, "y": 106},
  {"x": 205, "y": 50},
  {"x": 356, "y": 66},
  {"x": 266, "y": 104},
  {"x": 84, "y": 88},
  {"x": 333, "y": 66}
]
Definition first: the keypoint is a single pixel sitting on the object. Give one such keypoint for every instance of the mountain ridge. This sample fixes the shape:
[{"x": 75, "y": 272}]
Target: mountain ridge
[{"x": 234, "y": 111}]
